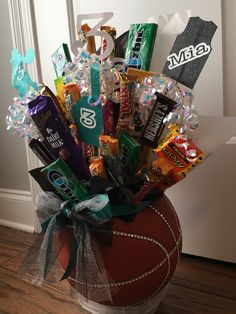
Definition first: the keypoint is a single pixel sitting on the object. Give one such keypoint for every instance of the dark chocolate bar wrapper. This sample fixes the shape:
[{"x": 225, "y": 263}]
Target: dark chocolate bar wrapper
[
  {"x": 42, "y": 181},
  {"x": 120, "y": 45},
  {"x": 154, "y": 127},
  {"x": 41, "y": 152},
  {"x": 56, "y": 133}
]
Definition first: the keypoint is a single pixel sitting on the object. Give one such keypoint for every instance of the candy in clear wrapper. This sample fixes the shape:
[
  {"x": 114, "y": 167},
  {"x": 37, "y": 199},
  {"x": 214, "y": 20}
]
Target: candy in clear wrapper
[{"x": 59, "y": 58}]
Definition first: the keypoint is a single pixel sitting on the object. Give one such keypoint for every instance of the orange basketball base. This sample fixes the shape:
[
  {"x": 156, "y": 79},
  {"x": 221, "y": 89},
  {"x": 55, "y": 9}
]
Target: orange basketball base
[{"x": 142, "y": 257}]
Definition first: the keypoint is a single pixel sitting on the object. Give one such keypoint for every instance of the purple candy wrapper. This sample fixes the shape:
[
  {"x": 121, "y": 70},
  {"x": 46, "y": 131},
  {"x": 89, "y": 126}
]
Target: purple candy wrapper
[{"x": 56, "y": 133}]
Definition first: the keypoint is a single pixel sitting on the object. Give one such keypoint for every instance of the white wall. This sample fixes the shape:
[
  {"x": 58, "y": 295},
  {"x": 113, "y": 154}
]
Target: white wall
[
  {"x": 13, "y": 165},
  {"x": 16, "y": 206},
  {"x": 53, "y": 30},
  {"x": 229, "y": 44},
  {"x": 205, "y": 200},
  {"x": 139, "y": 11},
  {"x": 202, "y": 214}
]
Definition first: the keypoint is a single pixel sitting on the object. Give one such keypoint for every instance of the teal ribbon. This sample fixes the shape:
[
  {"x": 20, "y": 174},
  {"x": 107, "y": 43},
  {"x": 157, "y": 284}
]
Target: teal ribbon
[
  {"x": 95, "y": 81},
  {"x": 88, "y": 216}
]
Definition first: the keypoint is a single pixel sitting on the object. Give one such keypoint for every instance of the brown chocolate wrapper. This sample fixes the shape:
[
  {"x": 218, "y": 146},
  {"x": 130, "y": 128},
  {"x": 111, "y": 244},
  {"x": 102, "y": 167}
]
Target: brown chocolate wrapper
[{"x": 154, "y": 127}]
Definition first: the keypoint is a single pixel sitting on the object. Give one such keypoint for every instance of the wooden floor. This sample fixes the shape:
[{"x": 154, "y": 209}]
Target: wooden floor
[{"x": 198, "y": 286}]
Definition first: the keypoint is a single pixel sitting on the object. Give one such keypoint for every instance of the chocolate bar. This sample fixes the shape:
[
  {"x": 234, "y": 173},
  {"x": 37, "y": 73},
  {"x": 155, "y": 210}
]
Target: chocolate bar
[
  {"x": 57, "y": 135},
  {"x": 154, "y": 127},
  {"x": 41, "y": 151}
]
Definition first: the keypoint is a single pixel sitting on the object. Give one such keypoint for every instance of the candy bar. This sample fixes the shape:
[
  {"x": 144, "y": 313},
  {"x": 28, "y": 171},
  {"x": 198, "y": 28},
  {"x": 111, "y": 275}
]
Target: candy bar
[
  {"x": 140, "y": 45},
  {"x": 57, "y": 134},
  {"x": 41, "y": 151},
  {"x": 181, "y": 155},
  {"x": 108, "y": 145},
  {"x": 129, "y": 153},
  {"x": 91, "y": 46},
  {"x": 97, "y": 167},
  {"x": 64, "y": 181},
  {"x": 155, "y": 126},
  {"x": 125, "y": 105},
  {"x": 112, "y": 32},
  {"x": 108, "y": 113}
]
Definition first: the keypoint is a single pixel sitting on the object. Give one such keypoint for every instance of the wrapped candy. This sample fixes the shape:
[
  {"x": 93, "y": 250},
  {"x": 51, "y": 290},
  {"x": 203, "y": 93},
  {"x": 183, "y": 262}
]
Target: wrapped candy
[{"x": 115, "y": 137}]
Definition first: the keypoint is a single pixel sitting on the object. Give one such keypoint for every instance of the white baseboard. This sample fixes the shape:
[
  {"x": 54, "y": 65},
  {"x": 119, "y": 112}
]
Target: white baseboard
[
  {"x": 17, "y": 210},
  {"x": 15, "y": 225},
  {"x": 232, "y": 140}
]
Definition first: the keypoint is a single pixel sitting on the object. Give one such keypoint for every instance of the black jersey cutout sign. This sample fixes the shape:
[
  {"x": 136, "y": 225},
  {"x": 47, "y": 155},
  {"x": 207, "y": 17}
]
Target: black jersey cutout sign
[{"x": 190, "y": 52}]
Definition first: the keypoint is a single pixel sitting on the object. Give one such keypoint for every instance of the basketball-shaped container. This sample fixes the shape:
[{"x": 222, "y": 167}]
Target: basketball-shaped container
[{"x": 142, "y": 256}]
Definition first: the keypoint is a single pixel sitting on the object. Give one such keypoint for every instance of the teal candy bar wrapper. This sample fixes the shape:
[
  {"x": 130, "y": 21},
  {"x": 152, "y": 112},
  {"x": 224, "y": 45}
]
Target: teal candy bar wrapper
[
  {"x": 59, "y": 59},
  {"x": 140, "y": 45},
  {"x": 64, "y": 181}
]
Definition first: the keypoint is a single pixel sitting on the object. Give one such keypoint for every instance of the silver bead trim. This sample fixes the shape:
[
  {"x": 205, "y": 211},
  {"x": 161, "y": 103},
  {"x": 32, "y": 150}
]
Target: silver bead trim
[{"x": 143, "y": 275}]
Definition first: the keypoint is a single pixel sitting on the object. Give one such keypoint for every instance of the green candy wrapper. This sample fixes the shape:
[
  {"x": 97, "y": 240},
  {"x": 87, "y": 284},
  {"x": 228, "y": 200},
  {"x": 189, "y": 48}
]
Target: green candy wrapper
[
  {"x": 64, "y": 180},
  {"x": 140, "y": 45}
]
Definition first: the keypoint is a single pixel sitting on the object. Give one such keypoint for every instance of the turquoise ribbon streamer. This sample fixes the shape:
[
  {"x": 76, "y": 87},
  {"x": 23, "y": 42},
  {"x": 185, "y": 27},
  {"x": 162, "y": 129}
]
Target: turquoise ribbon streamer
[
  {"x": 95, "y": 82},
  {"x": 91, "y": 217}
]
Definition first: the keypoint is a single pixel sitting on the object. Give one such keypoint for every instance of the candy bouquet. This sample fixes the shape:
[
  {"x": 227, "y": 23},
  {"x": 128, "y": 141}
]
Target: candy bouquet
[{"x": 111, "y": 141}]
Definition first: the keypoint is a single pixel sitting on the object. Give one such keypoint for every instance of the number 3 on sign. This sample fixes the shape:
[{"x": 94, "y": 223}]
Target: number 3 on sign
[
  {"x": 105, "y": 16},
  {"x": 87, "y": 118}
]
